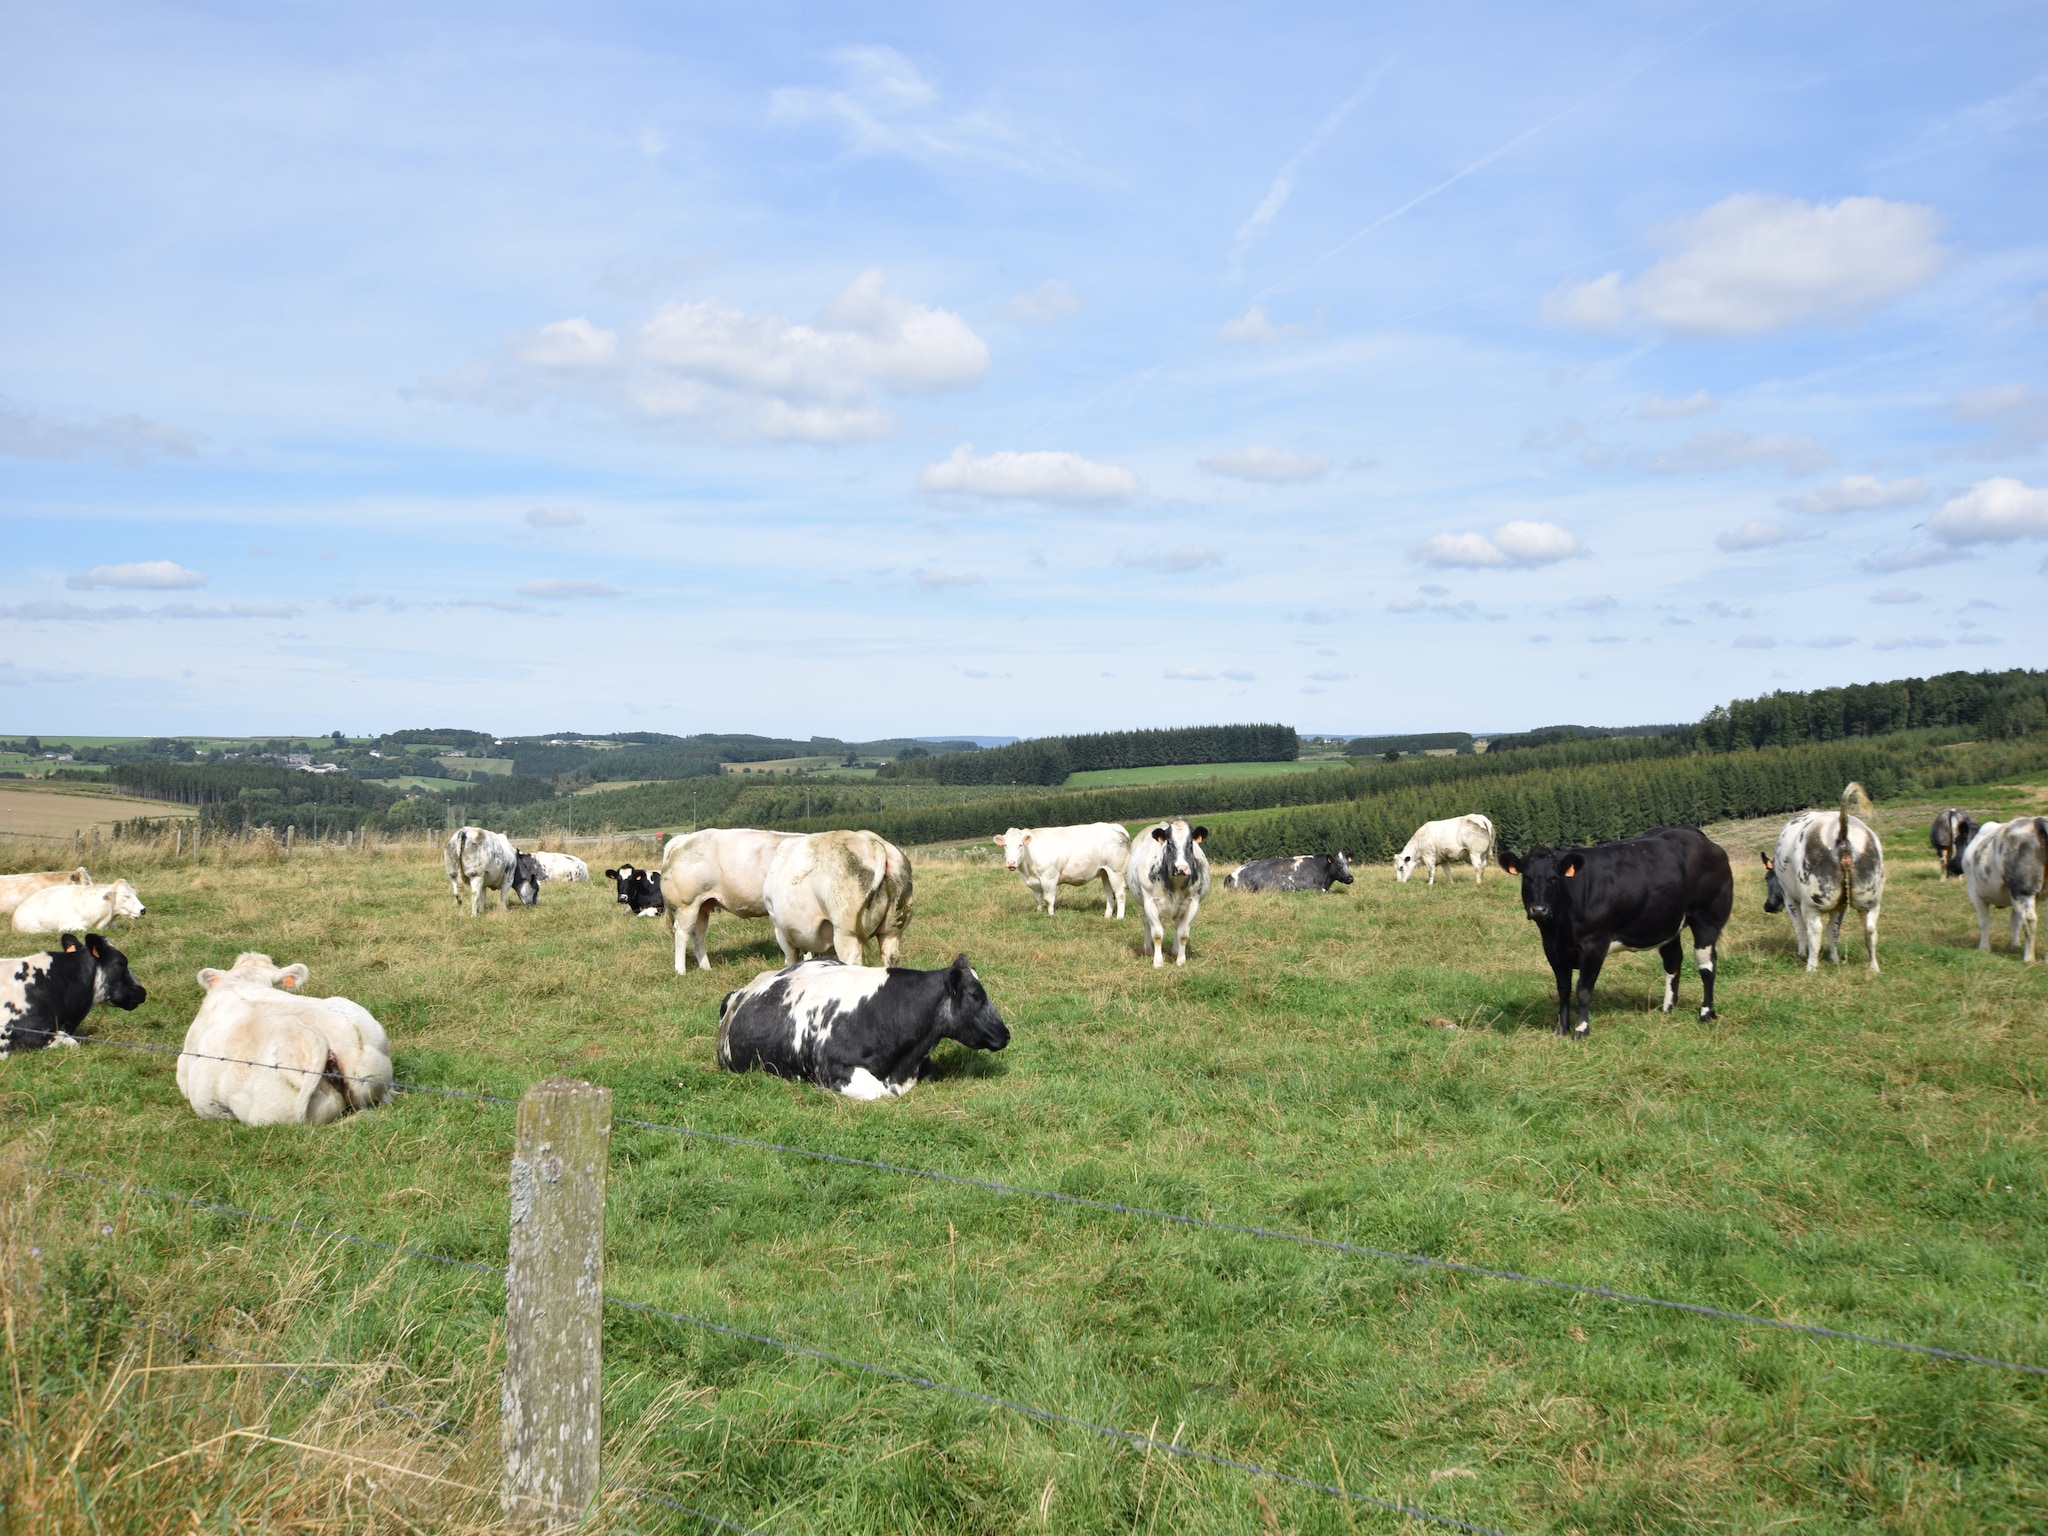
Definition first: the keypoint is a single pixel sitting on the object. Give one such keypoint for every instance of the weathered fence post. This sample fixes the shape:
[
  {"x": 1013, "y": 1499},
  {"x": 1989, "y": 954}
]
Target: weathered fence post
[
  {"x": 288, "y": 831},
  {"x": 177, "y": 841},
  {"x": 554, "y": 1303}
]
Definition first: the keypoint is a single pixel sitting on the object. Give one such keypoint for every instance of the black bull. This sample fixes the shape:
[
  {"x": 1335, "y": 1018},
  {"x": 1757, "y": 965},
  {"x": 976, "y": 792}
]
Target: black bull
[{"x": 1636, "y": 894}]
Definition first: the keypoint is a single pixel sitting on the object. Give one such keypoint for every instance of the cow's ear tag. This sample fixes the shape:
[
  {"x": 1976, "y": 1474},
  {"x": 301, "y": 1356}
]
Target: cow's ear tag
[
  {"x": 291, "y": 981},
  {"x": 71, "y": 946},
  {"x": 1571, "y": 872}
]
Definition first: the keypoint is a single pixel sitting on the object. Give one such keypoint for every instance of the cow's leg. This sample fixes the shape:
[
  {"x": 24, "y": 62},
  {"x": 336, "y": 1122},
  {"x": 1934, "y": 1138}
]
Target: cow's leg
[
  {"x": 1705, "y": 936},
  {"x": 1870, "y": 937},
  {"x": 1432, "y": 870},
  {"x": 788, "y": 946},
  {"x": 1671, "y": 954},
  {"x": 1180, "y": 931},
  {"x": 1109, "y": 902},
  {"x": 847, "y": 945},
  {"x": 1810, "y": 925},
  {"x": 1835, "y": 934},
  {"x": 1983, "y": 921},
  {"x": 1154, "y": 929},
  {"x": 2026, "y": 916},
  {"x": 1591, "y": 958},
  {"x": 476, "y": 896},
  {"x": 1479, "y": 869},
  {"x": 1051, "y": 884},
  {"x": 891, "y": 946}
]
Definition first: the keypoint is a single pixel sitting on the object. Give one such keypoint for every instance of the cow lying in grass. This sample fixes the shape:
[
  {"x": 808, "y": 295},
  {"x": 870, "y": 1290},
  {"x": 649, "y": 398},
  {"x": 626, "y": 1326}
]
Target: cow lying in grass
[
  {"x": 64, "y": 908},
  {"x": 1306, "y": 872},
  {"x": 864, "y": 1031},
  {"x": 260, "y": 1054},
  {"x": 15, "y": 889},
  {"x": 44, "y": 998}
]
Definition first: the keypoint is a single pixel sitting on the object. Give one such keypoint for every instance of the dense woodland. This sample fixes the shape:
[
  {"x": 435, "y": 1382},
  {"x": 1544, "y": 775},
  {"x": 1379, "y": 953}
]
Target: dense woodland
[{"x": 1050, "y": 759}]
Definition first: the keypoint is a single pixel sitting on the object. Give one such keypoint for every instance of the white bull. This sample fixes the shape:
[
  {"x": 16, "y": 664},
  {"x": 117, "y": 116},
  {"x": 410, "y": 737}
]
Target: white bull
[
  {"x": 2006, "y": 865},
  {"x": 1050, "y": 857},
  {"x": 15, "y": 889},
  {"x": 831, "y": 892},
  {"x": 76, "y": 908},
  {"x": 1446, "y": 842},
  {"x": 259, "y": 1054},
  {"x": 721, "y": 869}
]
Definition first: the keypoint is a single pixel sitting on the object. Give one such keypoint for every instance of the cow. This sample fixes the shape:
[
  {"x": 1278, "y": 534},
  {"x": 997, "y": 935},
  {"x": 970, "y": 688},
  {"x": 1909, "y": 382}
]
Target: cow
[
  {"x": 562, "y": 868},
  {"x": 721, "y": 869},
  {"x": 15, "y": 889},
  {"x": 1827, "y": 862},
  {"x": 1445, "y": 843},
  {"x": 1050, "y": 857},
  {"x": 831, "y": 892},
  {"x": 2006, "y": 865},
  {"x": 258, "y": 1053},
  {"x": 864, "y": 1031},
  {"x": 1634, "y": 894},
  {"x": 44, "y": 998},
  {"x": 1169, "y": 875},
  {"x": 487, "y": 861},
  {"x": 639, "y": 889},
  {"x": 1948, "y": 837},
  {"x": 1305, "y": 872},
  {"x": 58, "y": 908}
]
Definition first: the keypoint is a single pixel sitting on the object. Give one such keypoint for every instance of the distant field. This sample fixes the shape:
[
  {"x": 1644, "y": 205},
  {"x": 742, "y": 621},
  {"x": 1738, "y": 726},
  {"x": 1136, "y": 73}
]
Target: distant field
[
  {"x": 1194, "y": 771},
  {"x": 485, "y": 765},
  {"x": 422, "y": 781},
  {"x": 783, "y": 765},
  {"x": 60, "y": 810}
]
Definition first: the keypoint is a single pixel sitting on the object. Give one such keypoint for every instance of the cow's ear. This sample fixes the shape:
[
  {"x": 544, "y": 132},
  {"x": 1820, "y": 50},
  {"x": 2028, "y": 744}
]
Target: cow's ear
[
  {"x": 210, "y": 978},
  {"x": 1510, "y": 863},
  {"x": 1767, "y": 861},
  {"x": 611, "y": 874},
  {"x": 295, "y": 976},
  {"x": 1572, "y": 861},
  {"x": 957, "y": 974},
  {"x": 1159, "y": 834},
  {"x": 95, "y": 944},
  {"x": 997, "y": 840},
  {"x": 1200, "y": 833},
  {"x": 69, "y": 941}
]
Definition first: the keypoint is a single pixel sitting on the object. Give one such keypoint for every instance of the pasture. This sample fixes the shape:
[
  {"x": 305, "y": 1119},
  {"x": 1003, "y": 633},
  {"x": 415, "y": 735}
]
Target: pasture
[
  {"x": 55, "y": 811},
  {"x": 1183, "y": 773},
  {"x": 1373, "y": 1065}
]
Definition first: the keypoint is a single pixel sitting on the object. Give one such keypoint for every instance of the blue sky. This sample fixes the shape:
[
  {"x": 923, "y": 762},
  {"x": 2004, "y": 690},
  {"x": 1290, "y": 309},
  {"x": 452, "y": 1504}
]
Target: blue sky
[{"x": 938, "y": 369}]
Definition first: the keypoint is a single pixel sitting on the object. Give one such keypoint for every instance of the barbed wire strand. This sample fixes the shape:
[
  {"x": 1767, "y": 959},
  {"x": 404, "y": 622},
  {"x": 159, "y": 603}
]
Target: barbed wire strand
[
  {"x": 844, "y": 1362},
  {"x": 1203, "y": 1223}
]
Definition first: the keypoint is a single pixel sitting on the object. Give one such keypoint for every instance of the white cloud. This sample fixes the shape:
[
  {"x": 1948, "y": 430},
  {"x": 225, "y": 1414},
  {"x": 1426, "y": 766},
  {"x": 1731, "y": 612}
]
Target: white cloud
[
  {"x": 1755, "y": 643},
  {"x": 553, "y": 517},
  {"x": 1184, "y": 558},
  {"x": 1888, "y": 564},
  {"x": 1858, "y": 493},
  {"x": 1755, "y": 534},
  {"x": 1240, "y": 677},
  {"x": 1331, "y": 677},
  {"x": 1268, "y": 466},
  {"x": 78, "y": 612},
  {"x": 555, "y": 588},
  {"x": 1187, "y": 675},
  {"x": 1753, "y": 264},
  {"x": 1898, "y": 595},
  {"x": 1038, "y": 476},
  {"x": 885, "y": 105},
  {"x": 1993, "y": 511},
  {"x": 141, "y": 576},
  {"x": 1600, "y": 604},
  {"x": 1657, "y": 408},
  {"x": 134, "y": 440},
  {"x": 1911, "y": 643},
  {"x": 1408, "y": 605},
  {"x": 1828, "y": 642},
  {"x": 1709, "y": 451},
  {"x": 2018, "y": 417},
  {"x": 1520, "y": 544},
  {"x": 569, "y": 346},
  {"x": 1254, "y": 326},
  {"x": 1979, "y": 640},
  {"x": 1539, "y": 639},
  {"x": 939, "y": 581},
  {"x": 1051, "y": 301}
]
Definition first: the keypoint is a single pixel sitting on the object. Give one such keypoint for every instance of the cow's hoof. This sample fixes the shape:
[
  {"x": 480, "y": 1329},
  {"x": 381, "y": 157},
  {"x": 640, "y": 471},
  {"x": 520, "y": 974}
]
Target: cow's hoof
[
  {"x": 1708, "y": 1013},
  {"x": 1580, "y": 1031}
]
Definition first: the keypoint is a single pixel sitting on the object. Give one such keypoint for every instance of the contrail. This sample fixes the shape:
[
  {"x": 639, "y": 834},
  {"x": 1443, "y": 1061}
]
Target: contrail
[
  {"x": 1488, "y": 158},
  {"x": 1276, "y": 197}
]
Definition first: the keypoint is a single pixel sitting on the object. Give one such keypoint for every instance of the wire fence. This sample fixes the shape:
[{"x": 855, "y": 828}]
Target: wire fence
[
  {"x": 1181, "y": 1218},
  {"x": 1131, "y": 1438}
]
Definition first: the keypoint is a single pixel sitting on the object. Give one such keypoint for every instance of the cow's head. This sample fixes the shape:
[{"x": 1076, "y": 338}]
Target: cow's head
[
  {"x": 1964, "y": 828},
  {"x": 974, "y": 1022},
  {"x": 1340, "y": 866},
  {"x": 1178, "y": 843},
  {"x": 1404, "y": 864},
  {"x": 639, "y": 889},
  {"x": 127, "y": 902},
  {"x": 1544, "y": 872},
  {"x": 111, "y": 981},
  {"x": 1774, "y": 888},
  {"x": 1012, "y": 843},
  {"x": 526, "y": 878},
  {"x": 258, "y": 970}
]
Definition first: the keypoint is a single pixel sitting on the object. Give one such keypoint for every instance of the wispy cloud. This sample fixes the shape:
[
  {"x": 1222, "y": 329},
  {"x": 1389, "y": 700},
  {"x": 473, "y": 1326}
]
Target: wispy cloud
[
  {"x": 940, "y": 581},
  {"x": 1177, "y": 561},
  {"x": 1261, "y": 218},
  {"x": 1254, "y": 326},
  {"x": 562, "y": 589},
  {"x": 1035, "y": 476},
  {"x": 1858, "y": 493},
  {"x": 553, "y": 517},
  {"x": 1051, "y": 301},
  {"x": 1657, "y": 408},
  {"x": 2017, "y": 416},
  {"x": 885, "y": 105},
  {"x": 1268, "y": 466},
  {"x": 1520, "y": 544},
  {"x": 1707, "y": 452},
  {"x": 140, "y": 576},
  {"x": 80, "y": 613},
  {"x": 133, "y": 440}
]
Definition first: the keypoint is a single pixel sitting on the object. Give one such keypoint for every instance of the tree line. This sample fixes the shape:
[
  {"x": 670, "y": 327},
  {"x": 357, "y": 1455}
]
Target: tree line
[
  {"x": 1999, "y": 705},
  {"x": 1049, "y": 760}
]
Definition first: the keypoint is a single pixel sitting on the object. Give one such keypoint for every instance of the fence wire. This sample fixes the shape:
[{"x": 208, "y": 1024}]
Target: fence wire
[
  {"x": 844, "y": 1362},
  {"x": 1200, "y": 1223}
]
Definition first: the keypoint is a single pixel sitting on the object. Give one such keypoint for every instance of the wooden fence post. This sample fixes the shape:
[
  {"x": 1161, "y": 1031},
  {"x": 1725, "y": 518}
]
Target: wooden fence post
[{"x": 554, "y": 1303}]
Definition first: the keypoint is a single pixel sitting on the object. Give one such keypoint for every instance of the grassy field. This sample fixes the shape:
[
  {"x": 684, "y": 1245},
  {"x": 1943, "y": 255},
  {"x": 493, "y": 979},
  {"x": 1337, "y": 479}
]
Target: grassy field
[
  {"x": 1183, "y": 772},
  {"x": 1372, "y": 1065},
  {"x": 58, "y": 810}
]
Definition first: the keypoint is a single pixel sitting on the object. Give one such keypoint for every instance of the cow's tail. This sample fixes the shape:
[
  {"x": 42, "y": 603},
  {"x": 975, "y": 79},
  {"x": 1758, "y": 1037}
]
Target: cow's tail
[{"x": 1855, "y": 803}]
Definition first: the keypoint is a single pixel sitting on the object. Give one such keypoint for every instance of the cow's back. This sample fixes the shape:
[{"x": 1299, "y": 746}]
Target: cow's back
[
  {"x": 729, "y": 864},
  {"x": 248, "y": 1061},
  {"x": 1640, "y": 890},
  {"x": 56, "y": 908}
]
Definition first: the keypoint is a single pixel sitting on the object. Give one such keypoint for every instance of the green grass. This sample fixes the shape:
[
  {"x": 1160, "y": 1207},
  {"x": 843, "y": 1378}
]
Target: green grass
[
  {"x": 1371, "y": 1065},
  {"x": 1182, "y": 772}
]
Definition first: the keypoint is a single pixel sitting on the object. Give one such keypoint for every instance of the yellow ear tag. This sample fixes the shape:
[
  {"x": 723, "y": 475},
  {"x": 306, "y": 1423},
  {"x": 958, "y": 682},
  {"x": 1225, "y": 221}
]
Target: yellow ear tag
[
  {"x": 1572, "y": 872},
  {"x": 70, "y": 949},
  {"x": 291, "y": 981}
]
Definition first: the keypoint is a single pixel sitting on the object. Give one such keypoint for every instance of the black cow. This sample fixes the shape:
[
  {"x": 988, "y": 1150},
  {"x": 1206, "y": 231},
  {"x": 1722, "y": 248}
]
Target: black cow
[
  {"x": 1949, "y": 836},
  {"x": 1634, "y": 894},
  {"x": 1308, "y": 872},
  {"x": 44, "y": 998},
  {"x": 639, "y": 889},
  {"x": 866, "y": 1031}
]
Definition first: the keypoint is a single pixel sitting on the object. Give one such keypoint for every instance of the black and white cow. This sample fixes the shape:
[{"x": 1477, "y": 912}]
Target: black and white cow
[
  {"x": 1307, "y": 872},
  {"x": 487, "y": 861},
  {"x": 1949, "y": 836},
  {"x": 1169, "y": 875},
  {"x": 866, "y": 1031},
  {"x": 44, "y": 998},
  {"x": 639, "y": 889},
  {"x": 1634, "y": 894}
]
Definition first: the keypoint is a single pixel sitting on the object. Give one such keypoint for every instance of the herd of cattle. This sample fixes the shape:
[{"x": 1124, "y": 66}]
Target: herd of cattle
[{"x": 262, "y": 1053}]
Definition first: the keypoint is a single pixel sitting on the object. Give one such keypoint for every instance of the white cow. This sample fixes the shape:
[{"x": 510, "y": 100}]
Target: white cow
[
  {"x": 1050, "y": 857},
  {"x": 2006, "y": 865},
  {"x": 1827, "y": 862},
  {"x": 562, "y": 867},
  {"x": 1169, "y": 874},
  {"x": 58, "y": 908},
  {"x": 721, "y": 869},
  {"x": 15, "y": 889},
  {"x": 487, "y": 861},
  {"x": 260, "y": 1054},
  {"x": 831, "y": 892},
  {"x": 1446, "y": 842}
]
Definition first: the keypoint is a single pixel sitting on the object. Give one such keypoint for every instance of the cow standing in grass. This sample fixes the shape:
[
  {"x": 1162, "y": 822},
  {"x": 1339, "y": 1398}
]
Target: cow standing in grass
[
  {"x": 1827, "y": 862},
  {"x": 487, "y": 861},
  {"x": 2006, "y": 865},
  {"x": 1050, "y": 857},
  {"x": 1446, "y": 842},
  {"x": 1639, "y": 893},
  {"x": 1169, "y": 876},
  {"x": 721, "y": 869},
  {"x": 835, "y": 892}
]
